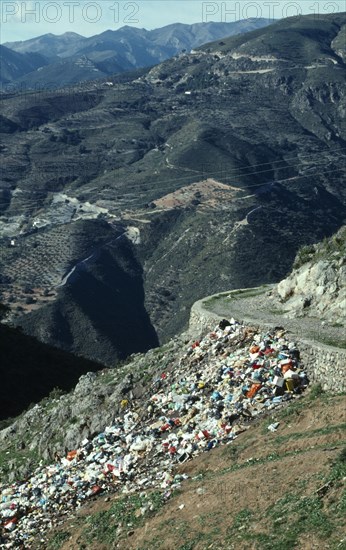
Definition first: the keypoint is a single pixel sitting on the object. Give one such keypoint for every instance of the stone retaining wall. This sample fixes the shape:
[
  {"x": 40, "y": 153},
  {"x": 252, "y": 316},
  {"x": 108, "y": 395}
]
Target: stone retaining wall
[
  {"x": 324, "y": 364},
  {"x": 201, "y": 320}
]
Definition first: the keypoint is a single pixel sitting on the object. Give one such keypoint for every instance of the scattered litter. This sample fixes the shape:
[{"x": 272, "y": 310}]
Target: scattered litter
[
  {"x": 273, "y": 427},
  {"x": 204, "y": 399}
]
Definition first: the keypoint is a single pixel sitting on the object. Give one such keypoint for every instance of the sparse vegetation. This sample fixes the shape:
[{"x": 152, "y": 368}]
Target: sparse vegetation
[
  {"x": 333, "y": 247},
  {"x": 304, "y": 255},
  {"x": 316, "y": 391},
  {"x": 125, "y": 514},
  {"x": 250, "y": 491},
  {"x": 153, "y": 143},
  {"x": 270, "y": 491},
  {"x": 58, "y": 540}
]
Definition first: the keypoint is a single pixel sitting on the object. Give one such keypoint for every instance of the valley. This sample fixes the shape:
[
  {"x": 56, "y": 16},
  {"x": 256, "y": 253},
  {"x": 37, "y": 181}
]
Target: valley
[
  {"x": 173, "y": 287},
  {"x": 202, "y": 174}
]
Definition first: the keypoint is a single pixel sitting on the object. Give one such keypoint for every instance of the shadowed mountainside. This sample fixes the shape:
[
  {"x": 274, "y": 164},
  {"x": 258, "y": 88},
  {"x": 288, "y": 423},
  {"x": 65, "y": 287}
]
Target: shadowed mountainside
[
  {"x": 216, "y": 166},
  {"x": 30, "y": 370}
]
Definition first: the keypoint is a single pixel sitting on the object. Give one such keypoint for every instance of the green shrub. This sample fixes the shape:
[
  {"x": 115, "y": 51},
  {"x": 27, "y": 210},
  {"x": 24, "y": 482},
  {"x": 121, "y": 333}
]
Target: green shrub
[{"x": 316, "y": 391}]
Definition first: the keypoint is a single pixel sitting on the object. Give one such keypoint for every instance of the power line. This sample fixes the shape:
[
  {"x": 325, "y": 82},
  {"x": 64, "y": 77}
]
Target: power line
[
  {"x": 335, "y": 151},
  {"x": 183, "y": 178},
  {"x": 29, "y": 203},
  {"x": 279, "y": 181},
  {"x": 255, "y": 185}
]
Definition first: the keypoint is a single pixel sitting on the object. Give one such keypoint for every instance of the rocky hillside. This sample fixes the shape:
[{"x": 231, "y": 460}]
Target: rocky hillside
[
  {"x": 317, "y": 285},
  {"x": 131, "y": 430},
  {"x": 192, "y": 418},
  {"x": 52, "y": 61},
  {"x": 230, "y": 498},
  {"x": 120, "y": 193},
  {"x": 168, "y": 419},
  {"x": 14, "y": 65}
]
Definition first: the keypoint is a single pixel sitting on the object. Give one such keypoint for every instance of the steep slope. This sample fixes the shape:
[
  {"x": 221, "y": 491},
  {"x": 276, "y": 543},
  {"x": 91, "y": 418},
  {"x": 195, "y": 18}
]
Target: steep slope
[
  {"x": 207, "y": 417},
  {"x": 107, "y": 304},
  {"x": 31, "y": 370},
  {"x": 317, "y": 285},
  {"x": 305, "y": 39},
  {"x": 75, "y": 58},
  {"x": 310, "y": 302},
  {"x": 218, "y": 165},
  {"x": 230, "y": 498},
  {"x": 51, "y": 44},
  {"x": 173, "y": 38},
  {"x": 168, "y": 416},
  {"x": 14, "y": 66}
]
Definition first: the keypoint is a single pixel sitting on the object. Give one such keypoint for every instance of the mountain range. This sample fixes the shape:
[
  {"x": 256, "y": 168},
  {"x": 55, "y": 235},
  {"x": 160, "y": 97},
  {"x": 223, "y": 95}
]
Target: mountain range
[
  {"x": 52, "y": 61},
  {"x": 125, "y": 201}
]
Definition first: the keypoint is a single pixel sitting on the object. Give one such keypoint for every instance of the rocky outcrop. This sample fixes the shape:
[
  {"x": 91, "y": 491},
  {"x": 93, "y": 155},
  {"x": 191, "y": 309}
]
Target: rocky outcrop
[
  {"x": 61, "y": 421},
  {"x": 221, "y": 201},
  {"x": 318, "y": 287},
  {"x": 314, "y": 294}
]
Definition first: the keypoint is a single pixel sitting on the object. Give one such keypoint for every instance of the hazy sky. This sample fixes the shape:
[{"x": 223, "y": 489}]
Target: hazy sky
[{"x": 23, "y": 19}]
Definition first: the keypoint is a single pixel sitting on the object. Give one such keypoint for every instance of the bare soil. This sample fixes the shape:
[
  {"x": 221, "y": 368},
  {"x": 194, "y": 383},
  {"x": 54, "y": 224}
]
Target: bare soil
[
  {"x": 234, "y": 492},
  {"x": 266, "y": 308}
]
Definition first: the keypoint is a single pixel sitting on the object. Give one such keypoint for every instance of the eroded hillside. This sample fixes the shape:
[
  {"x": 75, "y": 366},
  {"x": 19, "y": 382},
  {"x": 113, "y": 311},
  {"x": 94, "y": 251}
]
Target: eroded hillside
[
  {"x": 317, "y": 285},
  {"x": 203, "y": 174}
]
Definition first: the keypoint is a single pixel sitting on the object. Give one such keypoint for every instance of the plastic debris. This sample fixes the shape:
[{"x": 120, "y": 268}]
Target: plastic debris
[
  {"x": 273, "y": 427},
  {"x": 205, "y": 399}
]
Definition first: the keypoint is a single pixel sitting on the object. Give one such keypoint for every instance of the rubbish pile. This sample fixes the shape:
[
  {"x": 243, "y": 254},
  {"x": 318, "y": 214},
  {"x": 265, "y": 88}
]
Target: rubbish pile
[{"x": 203, "y": 399}]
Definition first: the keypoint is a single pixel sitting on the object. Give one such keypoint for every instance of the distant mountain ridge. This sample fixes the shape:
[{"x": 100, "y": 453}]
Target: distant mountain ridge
[
  {"x": 57, "y": 44},
  {"x": 14, "y": 65},
  {"x": 71, "y": 58},
  {"x": 202, "y": 174}
]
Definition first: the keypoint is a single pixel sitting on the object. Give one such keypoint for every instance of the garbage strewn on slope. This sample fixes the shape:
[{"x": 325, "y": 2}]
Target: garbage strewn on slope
[{"x": 204, "y": 399}]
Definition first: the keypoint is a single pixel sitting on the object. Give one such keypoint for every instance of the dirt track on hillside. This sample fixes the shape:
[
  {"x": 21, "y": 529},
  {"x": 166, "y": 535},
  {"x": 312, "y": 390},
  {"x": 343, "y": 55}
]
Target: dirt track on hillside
[{"x": 266, "y": 309}]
